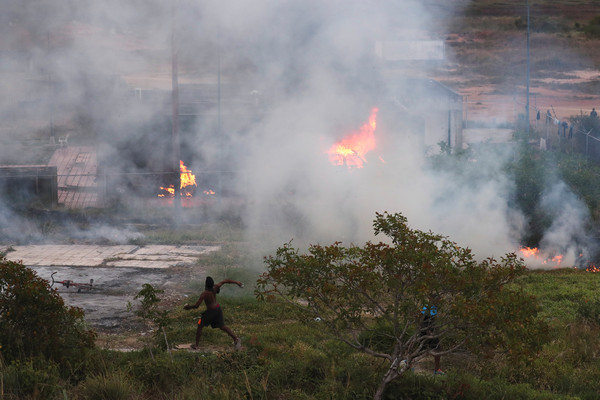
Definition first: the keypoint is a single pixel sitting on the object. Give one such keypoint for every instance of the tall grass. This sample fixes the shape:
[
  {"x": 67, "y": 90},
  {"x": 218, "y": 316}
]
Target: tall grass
[
  {"x": 286, "y": 357},
  {"x": 109, "y": 386}
]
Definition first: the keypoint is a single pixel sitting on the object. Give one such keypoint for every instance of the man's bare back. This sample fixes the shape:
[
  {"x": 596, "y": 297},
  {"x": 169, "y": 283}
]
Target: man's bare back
[{"x": 213, "y": 315}]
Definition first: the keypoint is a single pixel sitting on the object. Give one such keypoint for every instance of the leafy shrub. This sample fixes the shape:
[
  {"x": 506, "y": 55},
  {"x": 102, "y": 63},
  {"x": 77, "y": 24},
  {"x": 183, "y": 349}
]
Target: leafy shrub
[{"x": 34, "y": 321}]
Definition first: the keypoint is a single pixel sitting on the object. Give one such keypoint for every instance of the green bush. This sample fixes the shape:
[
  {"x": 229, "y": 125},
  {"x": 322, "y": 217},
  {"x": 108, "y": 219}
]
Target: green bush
[{"x": 34, "y": 321}]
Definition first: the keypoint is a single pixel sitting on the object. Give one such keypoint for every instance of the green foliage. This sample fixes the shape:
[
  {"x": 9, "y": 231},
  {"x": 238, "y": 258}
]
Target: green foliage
[
  {"x": 149, "y": 309},
  {"x": 569, "y": 363},
  {"x": 37, "y": 379},
  {"x": 583, "y": 178},
  {"x": 289, "y": 356},
  {"x": 163, "y": 373},
  {"x": 543, "y": 24},
  {"x": 150, "y": 312},
  {"x": 109, "y": 386},
  {"x": 530, "y": 173},
  {"x": 589, "y": 310},
  {"x": 463, "y": 386},
  {"x": 592, "y": 28},
  {"x": 357, "y": 291},
  {"x": 34, "y": 320}
]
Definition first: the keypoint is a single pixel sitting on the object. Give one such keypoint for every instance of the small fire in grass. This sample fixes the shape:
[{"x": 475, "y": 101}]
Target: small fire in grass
[
  {"x": 533, "y": 254},
  {"x": 188, "y": 180},
  {"x": 351, "y": 150},
  {"x": 592, "y": 268}
]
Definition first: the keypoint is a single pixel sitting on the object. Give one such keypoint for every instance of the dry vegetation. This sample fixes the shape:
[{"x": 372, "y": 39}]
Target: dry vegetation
[{"x": 488, "y": 56}]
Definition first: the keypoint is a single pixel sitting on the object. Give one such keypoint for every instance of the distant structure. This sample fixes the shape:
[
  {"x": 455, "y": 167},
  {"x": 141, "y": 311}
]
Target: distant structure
[
  {"x": 29, "y": 185},
  {"x": 428, "y": 111},
  {"x": 431, "y": 111}
]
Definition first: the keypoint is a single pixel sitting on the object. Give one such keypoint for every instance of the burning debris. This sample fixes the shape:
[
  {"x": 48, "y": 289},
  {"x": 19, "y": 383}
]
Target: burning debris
[
  {"x": 352, "y": 149},
  {"x": 533, "y": 254},
  {"x": 592, "y": 268},
  {"x": 188, "y": 180}
]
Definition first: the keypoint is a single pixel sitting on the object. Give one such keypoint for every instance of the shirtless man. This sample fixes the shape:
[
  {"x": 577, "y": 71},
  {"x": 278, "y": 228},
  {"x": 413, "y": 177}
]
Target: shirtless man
[{"x": 213, "y": 315}]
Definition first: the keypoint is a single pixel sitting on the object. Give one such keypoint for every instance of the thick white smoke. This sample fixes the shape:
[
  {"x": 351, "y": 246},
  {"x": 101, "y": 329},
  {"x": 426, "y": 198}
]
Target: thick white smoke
[{"x": 311, "y": 68}]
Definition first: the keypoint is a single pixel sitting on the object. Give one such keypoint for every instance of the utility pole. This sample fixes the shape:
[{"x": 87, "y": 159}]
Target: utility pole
[
  {"x": 219, "y": 133},
  {"x": 527, "y": 105},
  {"x": 175, "y": 123},
  {"x": 449, "y": 131}
]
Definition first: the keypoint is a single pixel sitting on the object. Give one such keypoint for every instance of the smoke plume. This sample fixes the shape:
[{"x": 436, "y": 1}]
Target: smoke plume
[{"x": 305, "y": 74}]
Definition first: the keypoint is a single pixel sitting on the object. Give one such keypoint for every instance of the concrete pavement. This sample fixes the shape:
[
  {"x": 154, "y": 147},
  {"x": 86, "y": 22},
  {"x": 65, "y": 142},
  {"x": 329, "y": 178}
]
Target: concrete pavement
[
  {"x": 123, "y": 256},
  {"x": 118, "y": 273}
]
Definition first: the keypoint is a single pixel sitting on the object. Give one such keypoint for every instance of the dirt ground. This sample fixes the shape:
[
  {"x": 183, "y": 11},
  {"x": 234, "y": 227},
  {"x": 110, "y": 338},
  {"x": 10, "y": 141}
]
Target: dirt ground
[
  {"x": 484, "y": 103},
  {"x": 110, "y": 302}
]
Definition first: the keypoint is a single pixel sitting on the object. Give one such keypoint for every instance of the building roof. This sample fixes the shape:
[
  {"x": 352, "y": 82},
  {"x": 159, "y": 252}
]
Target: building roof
[{"x": 76, "y": 176}]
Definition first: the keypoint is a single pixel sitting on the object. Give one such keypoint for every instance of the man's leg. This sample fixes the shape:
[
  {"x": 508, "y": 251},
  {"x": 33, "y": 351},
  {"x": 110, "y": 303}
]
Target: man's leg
[
  {"x": 236, "y": 340},
  {"x": 198, "y": 334},
  {"x": 229, "y": 332}
]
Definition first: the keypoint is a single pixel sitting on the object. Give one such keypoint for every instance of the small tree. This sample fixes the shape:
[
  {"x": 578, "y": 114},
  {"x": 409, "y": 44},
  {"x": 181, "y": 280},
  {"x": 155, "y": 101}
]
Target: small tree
[
  {"x": 371, "y": 297},
  {"x": 150, "y": 312},
  {"x": 34, "y": 321}
]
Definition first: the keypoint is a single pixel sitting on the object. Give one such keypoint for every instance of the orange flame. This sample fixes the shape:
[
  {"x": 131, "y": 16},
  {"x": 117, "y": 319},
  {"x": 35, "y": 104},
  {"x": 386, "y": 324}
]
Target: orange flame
[
  {"x": 187, "y": 179},
  {"x": 533, "y": 253},
  {"x": 592, "y": 268},
  {"x": 352, "y": 149}
]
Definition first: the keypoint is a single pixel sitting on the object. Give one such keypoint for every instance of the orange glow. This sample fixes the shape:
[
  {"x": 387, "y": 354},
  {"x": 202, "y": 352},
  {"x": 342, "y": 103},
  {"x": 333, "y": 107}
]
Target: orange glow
[
  {"x": 351, "y": 150},
  {"x": 533, "y": 254},
  {"x": 187, "y": 179},
  {"x": 592, "y": 268},
  {"x": 530, "y": 252}
]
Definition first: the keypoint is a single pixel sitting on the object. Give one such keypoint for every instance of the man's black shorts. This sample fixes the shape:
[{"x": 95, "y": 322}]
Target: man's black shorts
[{"x": 214, "y": 318}]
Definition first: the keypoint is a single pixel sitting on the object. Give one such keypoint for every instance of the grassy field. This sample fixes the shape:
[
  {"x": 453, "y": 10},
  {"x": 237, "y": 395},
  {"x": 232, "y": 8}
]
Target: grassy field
[{"x": 285, "y": 357}]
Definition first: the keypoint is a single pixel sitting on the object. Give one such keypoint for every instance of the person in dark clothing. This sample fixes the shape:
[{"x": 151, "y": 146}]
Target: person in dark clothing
[
  {"x": 428, "y": 328},
  {"x": 594, "y": 114},
  {"x": 564, "y": 125},
  {"x": 213, "y": 315},
  {"x": 570, "y": 131}
]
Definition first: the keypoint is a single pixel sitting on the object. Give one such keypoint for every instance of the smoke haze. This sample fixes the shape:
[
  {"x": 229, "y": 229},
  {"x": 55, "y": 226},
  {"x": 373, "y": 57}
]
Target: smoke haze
[{"x": 309, "y": 68}]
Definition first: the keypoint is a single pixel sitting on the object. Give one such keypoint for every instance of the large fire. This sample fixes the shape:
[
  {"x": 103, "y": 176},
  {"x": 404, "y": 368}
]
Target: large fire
[
  {"x": 352, "y": 149},
  {"x": 533, "y": 254},
  {"x": 188, "y": 180}
]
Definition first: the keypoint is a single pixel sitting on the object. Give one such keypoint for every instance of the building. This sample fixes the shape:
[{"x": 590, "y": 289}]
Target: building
[{"x": 430, "y": 110}]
